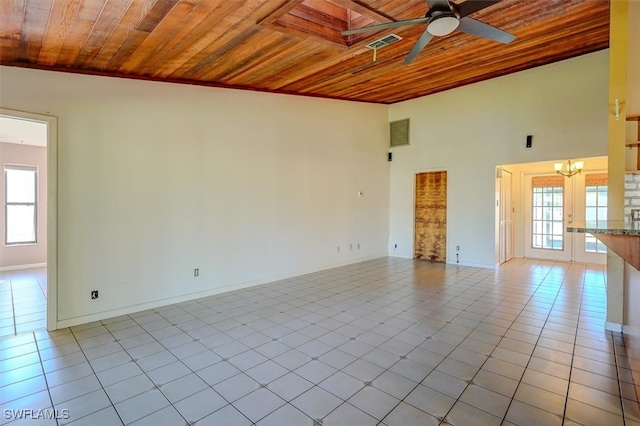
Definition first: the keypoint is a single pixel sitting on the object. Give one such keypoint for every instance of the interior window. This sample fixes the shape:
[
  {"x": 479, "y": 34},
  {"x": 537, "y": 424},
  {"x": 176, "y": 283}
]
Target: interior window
[{"x": 20, "y": 204}]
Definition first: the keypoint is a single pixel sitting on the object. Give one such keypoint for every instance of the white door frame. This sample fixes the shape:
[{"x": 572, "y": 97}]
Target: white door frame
[
  {"x": 52, "y": 208},
  {"x": 573, "y": 210},
  {"x": 564, "y": 255}
]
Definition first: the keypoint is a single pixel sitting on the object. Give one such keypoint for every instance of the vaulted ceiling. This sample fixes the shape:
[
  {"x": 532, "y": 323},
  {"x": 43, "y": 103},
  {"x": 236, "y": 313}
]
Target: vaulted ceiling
[{"x": 291, "y": 46}]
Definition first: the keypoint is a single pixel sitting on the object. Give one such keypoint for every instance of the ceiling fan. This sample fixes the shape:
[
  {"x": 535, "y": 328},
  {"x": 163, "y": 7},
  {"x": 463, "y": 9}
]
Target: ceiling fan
[{"x": 442, "y": 19}]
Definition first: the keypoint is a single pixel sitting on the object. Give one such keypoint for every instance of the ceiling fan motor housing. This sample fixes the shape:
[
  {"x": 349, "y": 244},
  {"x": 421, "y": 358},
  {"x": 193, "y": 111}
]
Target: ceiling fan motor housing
[{"x": 442, "y": 23}]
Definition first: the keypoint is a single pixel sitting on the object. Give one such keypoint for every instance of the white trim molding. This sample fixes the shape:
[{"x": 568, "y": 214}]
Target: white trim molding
[
  {"x": 20, "y": 267},
  {"x": 52, "y": 208}
]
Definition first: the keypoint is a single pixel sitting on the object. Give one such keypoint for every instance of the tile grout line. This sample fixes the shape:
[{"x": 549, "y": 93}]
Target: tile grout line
[
  {"x": 13, "y": 308},
  {"x": 573, "y": 352},
  {"x": 622, "y": 398},
  {"x": 433, "y": 369},
  {"x": 359, "y": 358},
  {"x": 476, "y": 289},
  {"x": 178, "y": 359},
  {"x": 44, "y": 375},
  {"x": 443, "y": 420},
  {"x": 501, "y": 338},
  {"x": 96, "y": 376},
  {"x": 44, "y": 294}
]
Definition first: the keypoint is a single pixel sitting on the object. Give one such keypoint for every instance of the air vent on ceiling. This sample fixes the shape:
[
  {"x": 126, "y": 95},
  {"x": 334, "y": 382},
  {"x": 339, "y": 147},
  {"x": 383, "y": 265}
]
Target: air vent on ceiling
[
  {"x": 384, "y": 41},
  {"x": 399, "y": 133}
]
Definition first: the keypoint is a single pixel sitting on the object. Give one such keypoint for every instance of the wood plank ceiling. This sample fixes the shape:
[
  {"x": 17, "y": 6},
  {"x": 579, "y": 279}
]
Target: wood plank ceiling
[{"x": 290, "y": 46}]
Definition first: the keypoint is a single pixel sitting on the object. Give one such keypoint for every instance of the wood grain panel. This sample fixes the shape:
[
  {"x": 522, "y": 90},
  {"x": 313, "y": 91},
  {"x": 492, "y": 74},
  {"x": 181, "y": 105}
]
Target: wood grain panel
[
  {"x": 155, "y": 42},
  {"x": 625, "y": 246},
  {"x": 230, "y": 21},
  {"x": 110, "y": 22},
  {"x": 34, "y": 25},
  {"x": 181, "y": 36},
  {"x": 364, "y": 9},
  {"x": 83, "y": 23},
  {"x": 141, "y": 32},
  {"x": 11, "y": 15},
  {"x": 61, "y": 19},
  {"x": 241, "y": 62},
  {"x": 266, "y": 44},
  {"x": 442, "y": 64},
  {"x": 156, "y": 14},
  {"x": 431, "y": 217}
]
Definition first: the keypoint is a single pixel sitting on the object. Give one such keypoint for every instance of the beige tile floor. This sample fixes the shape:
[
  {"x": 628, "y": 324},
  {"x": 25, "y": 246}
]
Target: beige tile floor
[
  {"x": 384, "y": 342},
  {"x": 23, "y": 301}
]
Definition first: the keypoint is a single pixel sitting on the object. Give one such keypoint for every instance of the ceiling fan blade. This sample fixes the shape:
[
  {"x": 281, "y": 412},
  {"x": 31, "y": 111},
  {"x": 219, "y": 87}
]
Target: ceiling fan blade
[
  {"x": 471, "y": 26},
  {"x": 424, "y": 39},
  {"x": 385, "y": 26},
  {"x": 438, "y": 4},
  {"x": 472, "y": 6}
]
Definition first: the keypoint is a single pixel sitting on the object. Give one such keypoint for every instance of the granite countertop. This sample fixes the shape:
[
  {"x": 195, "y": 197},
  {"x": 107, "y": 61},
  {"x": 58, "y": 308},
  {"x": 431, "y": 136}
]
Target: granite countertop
[{"x": 610, "y": 227}]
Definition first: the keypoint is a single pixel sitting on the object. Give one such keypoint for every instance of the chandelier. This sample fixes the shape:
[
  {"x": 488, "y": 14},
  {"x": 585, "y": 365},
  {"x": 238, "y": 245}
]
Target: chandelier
[{"x": 571, "y": 168}]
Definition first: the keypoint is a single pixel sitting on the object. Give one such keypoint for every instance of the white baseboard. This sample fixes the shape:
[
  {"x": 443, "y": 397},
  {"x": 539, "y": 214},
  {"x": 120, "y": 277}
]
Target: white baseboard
[
  {"x": 83, "y": 319},
  {"x": 20, "y": 267},
  {"x": 400, "y": 255},
  {"x": 613, "y": 326}
]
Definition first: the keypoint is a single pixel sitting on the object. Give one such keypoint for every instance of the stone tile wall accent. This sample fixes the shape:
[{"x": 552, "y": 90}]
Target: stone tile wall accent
[{"x": 631, "y": 194}]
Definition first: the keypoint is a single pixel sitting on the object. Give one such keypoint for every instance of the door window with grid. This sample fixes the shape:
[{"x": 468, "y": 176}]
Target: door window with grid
[
  {"x": 595, "y": 208},
  {"x": 20, "y": 204},
  {"x": 548, "y": 213}
]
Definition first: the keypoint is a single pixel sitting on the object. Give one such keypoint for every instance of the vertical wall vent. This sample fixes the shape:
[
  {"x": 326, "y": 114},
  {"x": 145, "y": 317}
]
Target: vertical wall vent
[{"x": 399, "y": 133}]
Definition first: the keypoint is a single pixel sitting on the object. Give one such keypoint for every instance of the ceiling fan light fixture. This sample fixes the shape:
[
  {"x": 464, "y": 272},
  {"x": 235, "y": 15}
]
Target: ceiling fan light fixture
[{"x": 443, "y": 25}]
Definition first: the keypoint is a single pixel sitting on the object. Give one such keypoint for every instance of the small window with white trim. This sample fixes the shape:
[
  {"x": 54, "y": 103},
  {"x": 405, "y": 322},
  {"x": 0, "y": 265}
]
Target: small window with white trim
[{"x": 21, "y": 207}]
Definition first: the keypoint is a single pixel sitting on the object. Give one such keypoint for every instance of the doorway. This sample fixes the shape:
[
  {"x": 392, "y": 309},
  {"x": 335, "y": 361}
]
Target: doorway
[
  {"x": 552, "y": 202},
  {"x": 28, "y": 270},
  {"x": 430, "y": 228}
]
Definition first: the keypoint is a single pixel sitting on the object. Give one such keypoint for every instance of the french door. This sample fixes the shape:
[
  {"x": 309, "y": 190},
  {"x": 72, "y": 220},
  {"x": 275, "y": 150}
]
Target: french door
[{"x": 551, "y": 203}]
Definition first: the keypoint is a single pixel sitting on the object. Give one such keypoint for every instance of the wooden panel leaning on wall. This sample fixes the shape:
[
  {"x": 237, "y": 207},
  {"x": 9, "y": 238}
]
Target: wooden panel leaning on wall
[{"x": 430, "y": 234}]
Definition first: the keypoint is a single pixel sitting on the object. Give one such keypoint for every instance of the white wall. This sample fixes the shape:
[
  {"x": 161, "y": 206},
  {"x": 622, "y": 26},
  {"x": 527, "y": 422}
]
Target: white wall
[
  {"x": 158, "y": 179},
  {"x": 23, "y": 255},
  {"x": 470, "y": 130}
]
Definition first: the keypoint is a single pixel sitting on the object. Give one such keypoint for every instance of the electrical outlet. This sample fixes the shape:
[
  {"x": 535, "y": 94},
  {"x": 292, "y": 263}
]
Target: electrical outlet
[
  {"x": 94, "y": 294},
  {"x": 338, "y": 249},
  {"x": 457, "y": 248},
  {"x": 196, "y": 272},
  {"x": 358, "y": 246}
]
